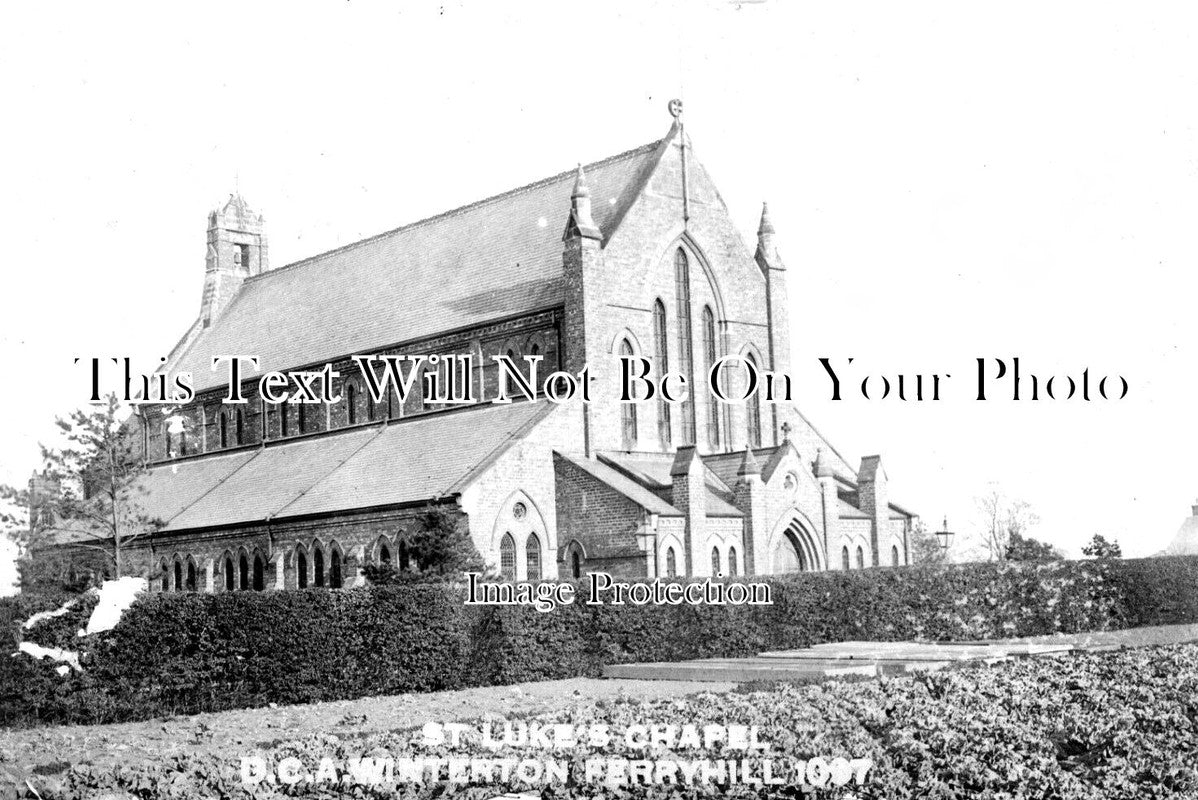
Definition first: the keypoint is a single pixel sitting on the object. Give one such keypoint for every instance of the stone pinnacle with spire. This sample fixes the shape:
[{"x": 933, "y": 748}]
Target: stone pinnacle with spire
[
  {"x": 748, "y": 465},
  {"x": 581, "y": 223},
  {"x": 767, "y": 226},
  {"x": 822, "y": 468},
  {"x": 767, "y": 252}
]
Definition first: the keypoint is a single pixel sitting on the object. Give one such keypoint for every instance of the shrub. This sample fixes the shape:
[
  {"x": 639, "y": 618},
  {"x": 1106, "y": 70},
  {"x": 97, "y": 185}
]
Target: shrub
[
  {"x": 186, "y": 653},
  {"x": 1153, "y": 591}
]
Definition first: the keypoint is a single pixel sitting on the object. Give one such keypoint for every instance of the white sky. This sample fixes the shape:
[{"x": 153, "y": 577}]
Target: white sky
[{"x": 948, "y": 181}]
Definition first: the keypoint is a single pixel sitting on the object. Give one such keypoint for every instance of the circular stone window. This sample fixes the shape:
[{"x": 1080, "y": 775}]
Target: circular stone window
[{"x": 519, "y": 511}]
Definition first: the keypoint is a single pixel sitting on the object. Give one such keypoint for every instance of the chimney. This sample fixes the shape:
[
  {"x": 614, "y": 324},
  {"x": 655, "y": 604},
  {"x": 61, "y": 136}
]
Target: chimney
[
  {"x": 237, "y": 250},
  {"x": 690, "y": 497},
  {"x": 44, "y": 492},
  {"x": 873, "y": 499}
]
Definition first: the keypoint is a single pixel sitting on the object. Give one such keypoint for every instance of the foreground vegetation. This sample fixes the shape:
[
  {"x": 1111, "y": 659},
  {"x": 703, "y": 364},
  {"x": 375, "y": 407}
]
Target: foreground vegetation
[
  {"x": 188, "y": 653},
  {"x": 1101, "y": 725}
]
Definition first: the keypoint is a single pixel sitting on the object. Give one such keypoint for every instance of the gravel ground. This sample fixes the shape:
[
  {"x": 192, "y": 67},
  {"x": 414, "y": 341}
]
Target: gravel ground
[{"x": 234, "y": 733}]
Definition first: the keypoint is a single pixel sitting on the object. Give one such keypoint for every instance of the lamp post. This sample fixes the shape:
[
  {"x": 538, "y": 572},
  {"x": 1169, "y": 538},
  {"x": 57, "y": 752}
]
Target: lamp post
[{"x": 944, "y": 535}]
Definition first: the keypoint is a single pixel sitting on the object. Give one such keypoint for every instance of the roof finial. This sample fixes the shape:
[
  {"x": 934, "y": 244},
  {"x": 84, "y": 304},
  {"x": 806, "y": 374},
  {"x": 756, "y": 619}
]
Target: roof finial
[
  {"x": 786, "y": 429},
  {"x": 675, "y": 107}
]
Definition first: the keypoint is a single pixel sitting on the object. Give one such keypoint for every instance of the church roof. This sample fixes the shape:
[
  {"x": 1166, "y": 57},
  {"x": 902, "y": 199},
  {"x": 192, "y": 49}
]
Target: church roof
[
  {"x": 622, "y": 484},
  {"x": 406, "y": 461},
  {"x": 652, "y": 470},
  {"x": 498, "y": 257}
]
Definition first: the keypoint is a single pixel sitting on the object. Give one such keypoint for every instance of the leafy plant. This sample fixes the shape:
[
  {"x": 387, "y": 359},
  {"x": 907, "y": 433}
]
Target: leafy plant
[
  {"x": 1025, "y": 548},
  {"x": 1101, "y": 547}
]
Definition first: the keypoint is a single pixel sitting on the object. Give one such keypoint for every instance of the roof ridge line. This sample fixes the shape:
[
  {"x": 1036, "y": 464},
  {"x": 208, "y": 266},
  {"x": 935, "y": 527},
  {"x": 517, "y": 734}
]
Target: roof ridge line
[
  {"x": 324, "y": 477},
  {"x": 459, "y": 209},
  {"x": 607, "y": 460}
]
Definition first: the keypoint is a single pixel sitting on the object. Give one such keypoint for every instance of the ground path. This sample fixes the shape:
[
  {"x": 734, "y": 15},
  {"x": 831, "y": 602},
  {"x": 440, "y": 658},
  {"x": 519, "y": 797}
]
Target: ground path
[{"x": 871, "y": 659}]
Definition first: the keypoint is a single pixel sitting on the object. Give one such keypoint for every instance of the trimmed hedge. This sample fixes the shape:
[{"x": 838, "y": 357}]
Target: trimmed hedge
[{"x": 187, "y": 653}]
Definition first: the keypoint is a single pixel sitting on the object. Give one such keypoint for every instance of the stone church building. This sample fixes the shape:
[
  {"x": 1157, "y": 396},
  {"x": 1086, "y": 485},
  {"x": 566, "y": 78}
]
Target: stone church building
[{"x": 631, "y": 255}]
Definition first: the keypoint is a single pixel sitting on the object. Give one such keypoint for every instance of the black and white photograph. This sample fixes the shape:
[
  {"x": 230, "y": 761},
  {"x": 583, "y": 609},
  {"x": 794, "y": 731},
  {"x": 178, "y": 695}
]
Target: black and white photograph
[{"x": 548, "y": 400}]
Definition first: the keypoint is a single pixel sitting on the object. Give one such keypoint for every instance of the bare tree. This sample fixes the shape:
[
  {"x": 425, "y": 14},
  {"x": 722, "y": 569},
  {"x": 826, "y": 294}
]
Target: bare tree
[{"x": 1000, "y": 517}]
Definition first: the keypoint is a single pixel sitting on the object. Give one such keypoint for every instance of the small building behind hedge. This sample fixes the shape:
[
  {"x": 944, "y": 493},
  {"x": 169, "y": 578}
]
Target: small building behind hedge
[
  {"x": 634, "y": 255},
  {"x": 1185, "y": 541}
]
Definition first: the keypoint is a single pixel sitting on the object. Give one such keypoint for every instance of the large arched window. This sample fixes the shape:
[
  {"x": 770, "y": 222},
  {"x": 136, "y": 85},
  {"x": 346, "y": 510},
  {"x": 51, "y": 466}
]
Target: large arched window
[
  {"x": 732, "y": 565},
  {"x": 240, "y": 425},
  {"x": 191, "y": 575},
  {"x": 351, "y": 404},
  {"x": 860, "y": 557},
  {"x": 710, "y": 354},
  {"x": 671, "y": 563},
  {"x": 178, "y": 575},
  {"x": 301, "y": 417},
  {"x": 230, "y": 577},
  {"x": 753, "y": 410},
  {"x": 301, "y": 569},
  {"x": 894, "y": 555},
  {"x": 224, "y": 429},
  {"x": 317, "y": 565},
  {"x": 532, "y": 556},
  {"x": 259, "y": 573},
  {"x": 661, "y": 353},
  {"x": 507, "y": 557},
  {"x": 844, "y": 559},
  {"x": 682, "y": 289},
  {"x": 166, "y": 575},
  {"x": 575, "y": 563},
  {"x": 628, "y": 412},
  {"x": 715, "y": 562},
  {"x": 384, "y": 553},
  {"x": 243, "y": 568}
]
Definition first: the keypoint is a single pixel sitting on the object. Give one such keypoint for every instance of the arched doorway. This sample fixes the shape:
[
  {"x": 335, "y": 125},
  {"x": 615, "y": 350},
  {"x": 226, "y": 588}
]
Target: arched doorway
[{"x": 795, "y": 550}]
